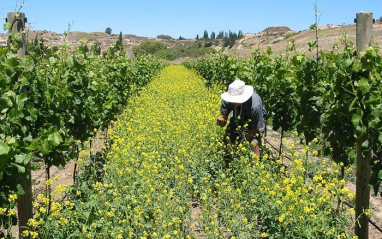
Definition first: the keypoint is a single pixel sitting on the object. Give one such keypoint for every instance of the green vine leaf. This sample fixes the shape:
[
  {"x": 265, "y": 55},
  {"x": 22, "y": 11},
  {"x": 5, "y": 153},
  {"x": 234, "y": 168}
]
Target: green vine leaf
[
  {"x": 55, "y": 139},
  {"x": 20, "y": 168},
  {"x": 46, "y": 148},
  {"x": 364, "y": 86},
  {"x": 4, "y": 149},
  {"x": 23, "y": 158},
  {"x": 20, "y": 190}
]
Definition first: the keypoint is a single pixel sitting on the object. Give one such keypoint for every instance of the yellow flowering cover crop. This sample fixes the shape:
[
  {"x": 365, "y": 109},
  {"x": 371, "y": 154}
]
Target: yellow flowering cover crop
[{"x": 165, "y": 177}]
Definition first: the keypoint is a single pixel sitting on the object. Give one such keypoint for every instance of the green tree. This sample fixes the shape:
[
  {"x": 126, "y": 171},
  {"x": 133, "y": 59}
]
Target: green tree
[
  {"x": 119, "y": 43},
  {"x": 212, "y": 36},
  {"x": 230, "y": 39},
  {"x": 220, "y": 35},
  {"x": 162, "y": 36},
  {"x": 240, "y": 34},
  {"x": 108, "y": 30},
  {"x": 148, "y": 48},
  {"x": 205, "y": 35}
]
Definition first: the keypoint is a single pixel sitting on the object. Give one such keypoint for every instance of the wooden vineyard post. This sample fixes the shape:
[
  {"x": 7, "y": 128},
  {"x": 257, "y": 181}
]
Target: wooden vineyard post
[
  {"x": 17, "y": 21},
  {"x": 364, "y": 28},
  {"x": 24, "y": 202},
  {"x": 130, "y": 54}
]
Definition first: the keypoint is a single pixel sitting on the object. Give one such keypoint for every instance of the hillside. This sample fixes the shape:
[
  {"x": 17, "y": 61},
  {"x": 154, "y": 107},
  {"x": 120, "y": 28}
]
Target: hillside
[{"x": 277, "y": 37}]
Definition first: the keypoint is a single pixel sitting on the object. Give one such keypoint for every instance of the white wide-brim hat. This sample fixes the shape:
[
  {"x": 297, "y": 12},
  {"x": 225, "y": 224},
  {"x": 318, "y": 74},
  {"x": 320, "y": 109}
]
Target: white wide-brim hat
[{"x": 237, "y": 92}]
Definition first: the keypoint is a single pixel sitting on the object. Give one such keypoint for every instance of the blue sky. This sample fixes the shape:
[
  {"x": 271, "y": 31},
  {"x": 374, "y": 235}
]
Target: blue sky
[{"x": 185, "y": 18}]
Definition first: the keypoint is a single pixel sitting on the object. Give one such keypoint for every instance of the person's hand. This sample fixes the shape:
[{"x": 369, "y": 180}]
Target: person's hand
[{"x": 221, "y": 121}]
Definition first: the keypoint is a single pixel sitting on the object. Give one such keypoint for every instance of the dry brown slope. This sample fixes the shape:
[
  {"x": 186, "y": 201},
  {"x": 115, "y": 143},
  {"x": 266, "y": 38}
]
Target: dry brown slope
[{"x": 280, "y": 39}]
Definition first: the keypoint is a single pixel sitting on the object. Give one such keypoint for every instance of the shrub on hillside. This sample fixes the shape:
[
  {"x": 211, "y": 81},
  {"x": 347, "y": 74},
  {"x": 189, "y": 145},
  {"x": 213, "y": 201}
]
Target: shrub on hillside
[
  {"x": 148, "y": 48},
  {"x": 167, "y": 54},
  {"x": 167, "y": 37}
]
